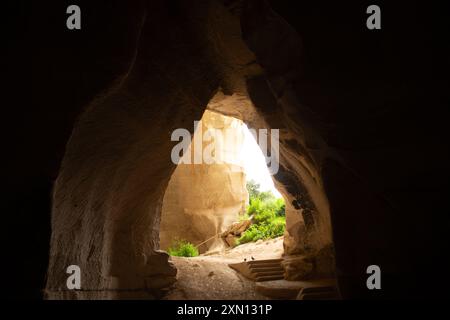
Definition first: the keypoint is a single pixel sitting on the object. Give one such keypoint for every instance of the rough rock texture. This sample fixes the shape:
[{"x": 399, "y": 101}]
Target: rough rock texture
[
  {"x": 113, "y": 233},
  {"x": 108, "y": 196},
  {"x": 283, "y": 289},
  {"x": 279, "y": 289},
  {"x": 233, "y": 232},
  {"x": 298, "y": 267},
  {"x": 210, "y": 276},
  {"x": 203, "y": 200},
  {"x": 318, "y": 265},
  {"x": 363, "y": 118}
]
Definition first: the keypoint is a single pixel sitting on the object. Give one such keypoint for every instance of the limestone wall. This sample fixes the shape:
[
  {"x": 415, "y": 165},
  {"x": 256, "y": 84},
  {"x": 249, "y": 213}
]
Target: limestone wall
[{"x": 202, "y": 200}]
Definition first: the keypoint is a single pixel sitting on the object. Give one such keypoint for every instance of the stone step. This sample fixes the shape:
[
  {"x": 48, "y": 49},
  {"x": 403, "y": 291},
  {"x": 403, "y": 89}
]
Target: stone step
[
  {"x": 269, "y": 278},
  {"x": 284, "y": 289},
  {"x": 260, "y": 270},
  {"x": 321, "y": 292},
  {"x": 268, "y": 273},
  {"x": 319, "y": 296},
  {"x": 268, "y": 261},
  {"x": 279, "y": 289},
  {"x": 266, "y": 265},
  {"x": 318, "y": 289}
]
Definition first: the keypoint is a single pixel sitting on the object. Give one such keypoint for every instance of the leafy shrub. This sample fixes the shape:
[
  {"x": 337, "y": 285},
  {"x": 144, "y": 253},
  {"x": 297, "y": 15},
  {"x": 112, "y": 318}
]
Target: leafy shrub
[
  {"x": 280, "y": 207},
  {"x": 278, "y": 226},
  {"x": 267, "y": 230},
  {"x": 265, "y": 215},
  {"x": 182, "y": 248},
  {"x": 268, "y": 212}
]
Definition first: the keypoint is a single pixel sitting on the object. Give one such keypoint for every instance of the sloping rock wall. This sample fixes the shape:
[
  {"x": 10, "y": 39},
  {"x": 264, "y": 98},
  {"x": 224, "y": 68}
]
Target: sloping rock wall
[
  {"x": 202, "y": 200},
  {"x": 362, "y": 115}
]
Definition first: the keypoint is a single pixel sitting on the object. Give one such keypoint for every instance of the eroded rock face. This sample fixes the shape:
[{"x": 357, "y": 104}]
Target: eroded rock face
[
  {"x": 203, "y": 200},
  {"x": 315, "y": 265},
  {"x": 108, "y": 196},
  {"x": 234, "y": 232},
  {"x": 109, "y": 193},
  {"x": 298, "y": 267},
  {"x": 358, "y": 140}
]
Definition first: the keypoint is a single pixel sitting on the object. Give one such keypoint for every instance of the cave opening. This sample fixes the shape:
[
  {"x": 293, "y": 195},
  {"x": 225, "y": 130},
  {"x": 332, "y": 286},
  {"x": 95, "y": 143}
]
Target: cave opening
[
  {"x": 221, "y": 208},
  {"x": 194, "y": 202},
  {"x": 107, "y": 217},
  {"x": 204, "y": 199},
  {"x": 101, "y": 139}
]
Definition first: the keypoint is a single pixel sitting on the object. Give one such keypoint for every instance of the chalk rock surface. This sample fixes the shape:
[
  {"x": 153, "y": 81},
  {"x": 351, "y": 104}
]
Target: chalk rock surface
[{"x": 203, "y": 200}]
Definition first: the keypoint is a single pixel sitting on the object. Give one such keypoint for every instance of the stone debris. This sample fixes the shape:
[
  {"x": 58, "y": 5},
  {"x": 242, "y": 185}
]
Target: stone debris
[{"x": 234, "y": 231}]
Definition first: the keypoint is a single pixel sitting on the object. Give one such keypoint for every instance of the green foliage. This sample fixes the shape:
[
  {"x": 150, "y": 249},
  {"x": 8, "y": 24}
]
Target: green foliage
[
  {"x": 280, "y": 207},
  {"x": 268, "y": 212},
  {"x": 243, "y": 217},
  {"x": 182, "y": 248},
  {"x": 253, "y": 189},
  {"x": 267, "y": 230}
]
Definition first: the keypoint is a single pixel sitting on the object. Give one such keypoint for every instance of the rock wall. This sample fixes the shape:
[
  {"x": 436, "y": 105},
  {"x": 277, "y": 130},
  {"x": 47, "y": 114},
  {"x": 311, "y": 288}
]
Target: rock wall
[
  {"x": 202, "y": 200},
  {"x": 363, "y": 116},
  {"x": 109, "y": 193}
]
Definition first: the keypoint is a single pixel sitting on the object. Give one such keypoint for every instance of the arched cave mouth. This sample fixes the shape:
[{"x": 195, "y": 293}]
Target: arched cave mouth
[
  {"x": 143, "y": 223},
  {"x": 220, "y": 187},
  {"x": 208, "y": 223},
  {"x": 222, "y": 211},
  {"x": 109, "y": 194},
  {"x": 346, "y": 100}
]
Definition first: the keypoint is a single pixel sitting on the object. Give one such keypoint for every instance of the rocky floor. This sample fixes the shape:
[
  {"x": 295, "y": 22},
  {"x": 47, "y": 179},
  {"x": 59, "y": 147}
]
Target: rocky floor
[{"x": 209, "y": 276}]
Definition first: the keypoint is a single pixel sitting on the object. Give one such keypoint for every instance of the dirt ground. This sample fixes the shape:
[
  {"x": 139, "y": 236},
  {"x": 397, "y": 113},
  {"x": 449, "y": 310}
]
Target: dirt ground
[{"x": 208, "y": 277}]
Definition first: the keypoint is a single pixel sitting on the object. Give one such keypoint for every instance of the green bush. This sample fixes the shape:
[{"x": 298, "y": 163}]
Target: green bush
[
  {"x": 267, "y": 230},
  {"x": 280, "y": 207},
  {"x": 265, "y": 215},
  {"x": 182, "y": 248},
  {"x": 268, "y": 212}
]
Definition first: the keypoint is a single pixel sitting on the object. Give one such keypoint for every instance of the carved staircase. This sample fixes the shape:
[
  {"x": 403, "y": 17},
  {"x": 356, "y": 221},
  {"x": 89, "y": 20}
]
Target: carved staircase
[
  {"x": 260, "y": 270},
  {"x": 269, "y": 275}
]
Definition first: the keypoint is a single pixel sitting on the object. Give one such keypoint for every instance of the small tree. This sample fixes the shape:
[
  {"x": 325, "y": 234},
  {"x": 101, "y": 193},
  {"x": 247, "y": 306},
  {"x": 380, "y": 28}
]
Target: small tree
[
  {"x": 268, "y": 214},
  {"x": 253, "y": 189}
]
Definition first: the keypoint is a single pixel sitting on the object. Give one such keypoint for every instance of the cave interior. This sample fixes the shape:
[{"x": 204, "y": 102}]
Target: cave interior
[{"x": 362, "y": 118}]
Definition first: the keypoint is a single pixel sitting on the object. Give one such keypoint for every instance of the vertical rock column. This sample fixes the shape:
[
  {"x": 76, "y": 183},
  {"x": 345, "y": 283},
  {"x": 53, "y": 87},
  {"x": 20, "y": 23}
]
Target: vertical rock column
[{"x": 202, "y": 200}]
